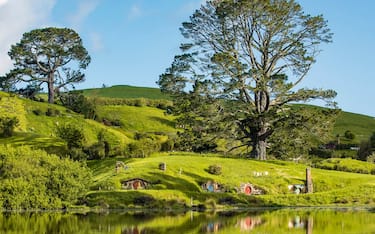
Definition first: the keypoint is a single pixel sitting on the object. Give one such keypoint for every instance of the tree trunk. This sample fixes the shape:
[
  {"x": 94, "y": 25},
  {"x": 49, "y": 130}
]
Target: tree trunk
[
  {"x": 259, "y": 132},
  {"x": 259, "y": 144},
  {"x": 51, "y": 89}
]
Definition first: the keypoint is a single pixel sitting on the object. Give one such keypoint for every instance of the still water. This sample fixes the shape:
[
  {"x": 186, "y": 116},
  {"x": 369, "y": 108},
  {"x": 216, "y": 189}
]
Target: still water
[{"x": 307, "y": 221}]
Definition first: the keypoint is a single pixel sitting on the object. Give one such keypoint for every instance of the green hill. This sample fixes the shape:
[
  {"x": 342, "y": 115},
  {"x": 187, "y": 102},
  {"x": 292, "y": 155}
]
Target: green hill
[
  {"x": 125, "y": 91},
  {"x": 361, "y": 125},
  {"x": 180, "y": 184}
]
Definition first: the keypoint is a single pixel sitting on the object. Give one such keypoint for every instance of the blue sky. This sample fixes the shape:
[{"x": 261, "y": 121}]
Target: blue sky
[{"x": 133, "y": 41}]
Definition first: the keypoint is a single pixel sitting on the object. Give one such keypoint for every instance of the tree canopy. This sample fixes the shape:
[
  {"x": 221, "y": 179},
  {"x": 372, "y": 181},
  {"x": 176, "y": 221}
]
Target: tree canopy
[
  {"x": 246, "y": 60},
  {"x": 52, "y": 56}
]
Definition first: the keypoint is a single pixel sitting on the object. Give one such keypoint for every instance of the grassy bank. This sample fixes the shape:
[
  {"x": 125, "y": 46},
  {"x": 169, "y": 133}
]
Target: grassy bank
[{"x": 180, "y": 184}]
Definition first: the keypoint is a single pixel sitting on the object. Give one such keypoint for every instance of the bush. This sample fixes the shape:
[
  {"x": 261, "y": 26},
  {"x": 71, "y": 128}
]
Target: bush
[
  {"x": 96, "y": 151},
  {"x": 78, "y": 103},
  {"x": 144, "y": 200},
  {"x": 38, "y": 112},
  {"x": 214, "y": 169},
  {"x": 34, "y": 179},
  {"x": 52, "y": 112},
  {"x": 7, "y": 126},
  {"x": 72, "y": 135},
  {"x": 143, "y": 148},
  {"x": 349, "y": 135}
]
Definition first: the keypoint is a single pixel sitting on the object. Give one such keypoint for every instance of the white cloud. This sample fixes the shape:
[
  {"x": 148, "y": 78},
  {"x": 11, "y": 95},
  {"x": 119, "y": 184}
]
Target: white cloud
[
  {"x": 2, "y": 2},
  {"x": 17, "y": 17},
  {"x": 85, "y": 8},
  {"x": 96, "y": 42},
  {"x": 135, "y": 12}
]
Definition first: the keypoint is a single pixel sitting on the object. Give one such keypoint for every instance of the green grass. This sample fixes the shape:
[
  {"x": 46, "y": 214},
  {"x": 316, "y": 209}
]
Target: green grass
[
  {"x": 39, "y": 130},
  {"x": 186, "y": 172},
  {"x": 347, "y": 164},
  {"x": 361, "y": 125},
  {"x": 138, "y": 119},
  {"x": 125, "y": 91}
]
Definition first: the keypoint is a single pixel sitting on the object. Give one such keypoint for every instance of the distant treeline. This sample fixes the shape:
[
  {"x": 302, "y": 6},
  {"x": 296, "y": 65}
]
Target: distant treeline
[{"x": 158, "y": 103}]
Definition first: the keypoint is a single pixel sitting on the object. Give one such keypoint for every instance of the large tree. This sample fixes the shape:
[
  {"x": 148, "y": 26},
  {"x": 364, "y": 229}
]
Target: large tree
[
  {"x": 52, "y": 56},
  {"x": 248, "y": 58}
]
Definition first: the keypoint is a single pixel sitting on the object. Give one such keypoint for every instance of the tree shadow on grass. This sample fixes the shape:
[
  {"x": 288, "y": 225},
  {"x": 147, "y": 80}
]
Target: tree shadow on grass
[
  {"x": 163, "y": 121},
  {"x": 172, "y": 182}
]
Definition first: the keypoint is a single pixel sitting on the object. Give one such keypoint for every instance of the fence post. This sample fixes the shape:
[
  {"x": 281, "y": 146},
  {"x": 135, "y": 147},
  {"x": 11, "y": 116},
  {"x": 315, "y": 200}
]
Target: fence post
[{"x": 309, "y": 183}]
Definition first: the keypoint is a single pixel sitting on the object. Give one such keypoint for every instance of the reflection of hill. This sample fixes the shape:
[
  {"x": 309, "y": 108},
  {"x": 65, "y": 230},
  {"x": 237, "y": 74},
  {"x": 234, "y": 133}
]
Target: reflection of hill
[{"x": 261, "y": 221}]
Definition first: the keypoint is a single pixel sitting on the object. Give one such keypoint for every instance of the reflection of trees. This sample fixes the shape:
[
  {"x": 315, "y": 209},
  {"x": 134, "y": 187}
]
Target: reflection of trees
[
  {"x": 46, "y": 222},
  {"x": 265, "y": 221}
]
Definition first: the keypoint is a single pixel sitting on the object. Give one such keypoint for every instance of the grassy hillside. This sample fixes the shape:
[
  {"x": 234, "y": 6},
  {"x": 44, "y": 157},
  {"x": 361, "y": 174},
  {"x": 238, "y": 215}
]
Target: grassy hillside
[
  {"x": 138, "y": 119},
  {"x": 180, "y": 184},
  {"x": 125, "y": 91},
  {"x": 38, "y": 129},
  {"x": 185, "y": 173},
  {"x": 361, "y": 125}
]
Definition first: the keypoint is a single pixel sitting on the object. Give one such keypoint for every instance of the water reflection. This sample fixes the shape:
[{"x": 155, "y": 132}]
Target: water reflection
[
  {"x": 256, "y": 221},
  {"x": 249, "y": 223}
]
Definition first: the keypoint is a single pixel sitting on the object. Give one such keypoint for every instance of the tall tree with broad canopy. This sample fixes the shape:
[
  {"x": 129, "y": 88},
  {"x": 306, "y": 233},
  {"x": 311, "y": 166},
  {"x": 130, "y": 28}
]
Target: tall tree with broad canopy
[
  {"x": 52, "y": 56},
  {"x": 247, "y": 58}
]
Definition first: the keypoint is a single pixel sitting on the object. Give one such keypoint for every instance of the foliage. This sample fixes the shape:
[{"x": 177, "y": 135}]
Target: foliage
[
  {"x": 99, "y": 150},
  {"x": 292, "y": 141},
  {"x": 121, "y": 92},
  {"x": 365, "y": 150},
  {"x": 348, "y": 165},
  {"x": 143, "y": 148},
  {"x": 7, "y": 126},
  {"x": 52, "y": 112},
  {"x": 52, "y": 56},
  {"x": 34, "y": 179},
  {"x": 78, "y": 103},
  {"x": 214, "y": 169},
  {"x": 247, "y": 57},
  {"x": 372, "y": 140},
  {"x": 158, "y": 103},
  {"x": 72, "y": 135},
  {"x": 349, "y": 135}
]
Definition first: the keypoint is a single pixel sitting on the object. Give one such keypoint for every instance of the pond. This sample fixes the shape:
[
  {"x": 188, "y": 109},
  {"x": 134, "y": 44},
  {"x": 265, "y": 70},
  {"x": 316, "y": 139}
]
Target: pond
[{"x": 260, "y": 221}]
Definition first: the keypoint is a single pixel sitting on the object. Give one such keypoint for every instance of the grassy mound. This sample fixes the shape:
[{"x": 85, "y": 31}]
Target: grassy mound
[{"x": 181, "y": 183}]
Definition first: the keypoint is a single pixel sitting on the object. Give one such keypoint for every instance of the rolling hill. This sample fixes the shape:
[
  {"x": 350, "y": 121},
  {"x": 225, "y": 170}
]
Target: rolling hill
[
  {"x": 361, "y": 125},
  {"x": 180, "y": 184},
  {"x": 125, "y": 91}
]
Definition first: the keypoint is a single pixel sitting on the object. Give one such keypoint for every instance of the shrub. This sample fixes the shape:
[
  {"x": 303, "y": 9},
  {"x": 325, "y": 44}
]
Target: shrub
[
  {"x": 143, "y": 148},
  {"x": 52, "y": 112},
  {"x": 72, "y": 135},
  {"x": 96, "y": 151},
  {"x": 349, "y": 135},
  {"x": 214, "y": 169},
  {"x": 144, "y": 200},
  {"x": 7, "y": 126},
  {"x": 78, "y": 103},
  {"x": 38, "y": 112},
  {"x": 34, "y": 179}
]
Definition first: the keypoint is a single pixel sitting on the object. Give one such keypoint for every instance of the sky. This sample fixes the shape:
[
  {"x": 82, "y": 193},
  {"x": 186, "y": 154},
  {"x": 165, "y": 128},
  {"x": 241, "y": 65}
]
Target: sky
[{"x": 132, "y": 42}]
